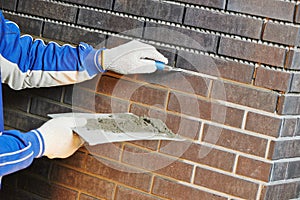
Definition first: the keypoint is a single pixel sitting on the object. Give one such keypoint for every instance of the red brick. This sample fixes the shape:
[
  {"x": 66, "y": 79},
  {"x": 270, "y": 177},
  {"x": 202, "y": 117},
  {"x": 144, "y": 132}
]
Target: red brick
[
  {"x": 273, "y": 79},
  {"x": 77, "y": 160},
  {"x": 263, "y": 124},
  {"x": 199, "y": 154},
  {"x": 156, "y": 162},
  {"x": 234, "y": 140},
  {"x": 244, "y": 95},
  {"x": 226, "y": 184},
  {"x": 119, "y": 172},
  {"x": 246, "y": 50},
  {"x": 86, "y": 183},
  {"x": 203, "y": 109},
  {"x": 129, "y": 194},
  {"x": 254, "y": 169},
  {"x": 109, "y": 150},
  {"x": 105, "y": 104},
  {"x": 86, "y": 197},
  {"x": 178, "y": 124},
  {"x": 174, "y": 190}
]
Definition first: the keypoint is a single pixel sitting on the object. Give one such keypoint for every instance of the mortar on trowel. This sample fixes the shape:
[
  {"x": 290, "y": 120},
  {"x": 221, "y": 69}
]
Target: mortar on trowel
[{"x": 119, "y": 127}]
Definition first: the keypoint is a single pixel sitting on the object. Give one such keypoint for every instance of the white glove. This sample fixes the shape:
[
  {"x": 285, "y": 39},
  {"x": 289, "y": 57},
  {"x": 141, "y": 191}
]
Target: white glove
[
  {"x": 59, "y": 139},
  {"x": 129, "y": 58}
]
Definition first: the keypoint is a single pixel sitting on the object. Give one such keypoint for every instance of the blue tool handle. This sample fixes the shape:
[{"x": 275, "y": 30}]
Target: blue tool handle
[{"x": 160, "y": 65}]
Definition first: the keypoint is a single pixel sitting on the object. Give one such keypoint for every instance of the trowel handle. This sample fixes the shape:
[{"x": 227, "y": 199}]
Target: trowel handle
[{"x": 160, "y": 65}]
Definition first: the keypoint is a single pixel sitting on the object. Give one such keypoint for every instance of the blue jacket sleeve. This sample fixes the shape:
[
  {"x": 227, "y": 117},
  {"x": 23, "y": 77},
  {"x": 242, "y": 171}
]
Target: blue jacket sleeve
[
  {"x": 31, "y": 63},
  {"x": 17, "y": 150}
]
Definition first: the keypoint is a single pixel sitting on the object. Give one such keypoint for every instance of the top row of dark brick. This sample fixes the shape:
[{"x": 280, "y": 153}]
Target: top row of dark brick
[{"x": 279, "y": 10}]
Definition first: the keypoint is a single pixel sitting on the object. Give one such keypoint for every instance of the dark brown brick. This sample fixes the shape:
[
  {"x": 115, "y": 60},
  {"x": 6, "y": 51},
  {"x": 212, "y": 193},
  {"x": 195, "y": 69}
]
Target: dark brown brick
[
  {"x": 234, "y": 186},
  {"x": 245, "y": 95},
  {"x": 18, "y": 100},
  {"x": 174, "y": 190},
  {"x": 223, "y": 22},
  {"x": 246, "y": 50},
  {"x": 8, "y": 4},
  {"x": 199, "y": 154},
  {"x": 273, "y": 79},
  {"x": 123, "y": 193},
  {"x": 203, "y": 109},
  {"x": 235, "y": 140},
  {"x": 78, "y": 160},
  {"x": 110, "y": 22},
  {"x": 46, "y": 189},
  {"x": 165, "y": 11},
  {"x": 263, "y": 124},
  {"x": 293, "y": 59},
  {"x": 156, "y": 162},
  {"x": 284, "y": 9},
  {"x": 181, "y": 37},
  {"x": 209, "y": 3},
  {"x": 253, "y": 168},
  {"x": 119, "y": 172},
  {"x": 48, "y": 9},
  {"x": 109, "y": 150},
  {"x": 215, "y": 66},
  {"x": 86, "y": 183},
  {"x": 289, "y": 105},
  {"x": 40, "y": 167},
  {"x": 285, "y": 34},
  {"x": 73, "y": 35},
  {"x": 86, "y": 197}
]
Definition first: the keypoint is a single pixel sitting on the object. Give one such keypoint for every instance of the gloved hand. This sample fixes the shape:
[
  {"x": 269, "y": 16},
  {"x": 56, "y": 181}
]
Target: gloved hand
[
  {"x": 59, "y": 139},
  {"x": 129, "y": 58}
]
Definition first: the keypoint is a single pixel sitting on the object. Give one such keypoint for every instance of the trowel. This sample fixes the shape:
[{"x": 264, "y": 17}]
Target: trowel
[
  {"x": 163, "y": 67},
  {"x": 101, "y": 135}
]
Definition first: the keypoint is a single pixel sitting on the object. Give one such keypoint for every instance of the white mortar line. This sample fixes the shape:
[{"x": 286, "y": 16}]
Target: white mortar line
[
  {"x": 244, "y": 120},
  {"x": 235, "y": 164}
]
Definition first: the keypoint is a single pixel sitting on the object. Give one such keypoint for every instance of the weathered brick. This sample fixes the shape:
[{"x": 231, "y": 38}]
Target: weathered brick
[
  {"x": 245, "y": 95},
  {"x": 86, "y": 183},
  {"x": 110, "y": 22},
  {"x": 48, "y": 9},
  {"x": 156, "y": 162},
  {"x": 78, "y": 160},
  {"x": 255, "y": 169},
  {"x": 86, "y": 197},
  {"x": 43, "y": 107},
  {"x": 285, "y": 34},
  {"x": 164, "y": 11},
  {"x": 285, "y": 149},
  {"x": 215, "y": 66},
  {"x": 234, "y": 140},
  {"x": 283, "y": 10},
  {"x": 295, "y": 84},
  {"x": 204, "y": 109},
  {"x": 123, "y": 193},
  {"x": 293, "y": 59},
  {"x": 181, "y": 37},
  {"x": 289, "y": 105},
  {"x": 199, "y": 154},
  {"x": 223, "y": 22},
  {"x": 178, "y": 124},
  {"x": 8, "y": 4},
  {"x": 290, "y": 127},
  {"x": 119, "y": 172},
  {"x": 174, "y": 190},
  {"x": 73, "y": 35},
  {"x": 293, "y": 170},
  {"x": 209, "y": 3},
  {"x": 297, "y": 14},
  {"x": 273, "y": 79},
  {"x": 234, "y": 186},
  {"x": 289, "y": 190},
  {"x": 109, "y": 150},
  {"x": 255, "y": 52},
  {"x": 45, "y": 189},
  {"x": 279, "y": 171},
  {"x": 21, "y": 121},
  {"x": 263, "y": 124},
  {"x": 26, "y": 25},
  {"x": 93, "y": 3}
]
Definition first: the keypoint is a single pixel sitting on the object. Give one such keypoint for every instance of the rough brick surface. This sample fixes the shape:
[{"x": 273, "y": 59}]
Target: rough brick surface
[
  {"x": 165, "y": 11},
  {"x": 295, "y": 85},
  {"x": 93, "y": 3},
  {"x": 222, "y": 22},
  {"x": 293, "y": 59},
  {"x": 48, "y": 9},
  {"x": 286, "y": 149},
  {"x": 291, "y": 191},
  {"x": 8, "y": 4},
  {"x": 209, "y": 3},
  {"x": 268, "y": 8},
  {"x": 261, "y": 53},
  {"x": 123, "y": 193},
  {"x": 289, "y": 105}
]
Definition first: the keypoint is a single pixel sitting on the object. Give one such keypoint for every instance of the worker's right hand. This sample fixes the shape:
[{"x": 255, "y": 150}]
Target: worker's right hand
[
  {"x": 59, "y": 139},
  {"x": 132, "y": 58}
]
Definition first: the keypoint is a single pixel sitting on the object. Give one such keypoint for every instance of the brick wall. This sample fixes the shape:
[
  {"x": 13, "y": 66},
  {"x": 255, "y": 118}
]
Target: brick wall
[{"x": 236, "y": 103}]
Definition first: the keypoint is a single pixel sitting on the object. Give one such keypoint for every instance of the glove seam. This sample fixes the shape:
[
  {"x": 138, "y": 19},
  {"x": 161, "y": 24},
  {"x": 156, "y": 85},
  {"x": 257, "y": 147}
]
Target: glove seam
[
  {"x": 99, "y": 66},
  {"x": 41, "y": 142}
]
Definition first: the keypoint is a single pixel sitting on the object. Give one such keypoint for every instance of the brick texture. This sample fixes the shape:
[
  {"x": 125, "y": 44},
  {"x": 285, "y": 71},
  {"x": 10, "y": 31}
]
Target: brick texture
[
  {"x": 209, "y": 3},
  {"x": 7, "y": 4},
  {"x": 223, "y": 22},
  {"x": 288, "y": 105},
  {"x": 94, "y": 3}
]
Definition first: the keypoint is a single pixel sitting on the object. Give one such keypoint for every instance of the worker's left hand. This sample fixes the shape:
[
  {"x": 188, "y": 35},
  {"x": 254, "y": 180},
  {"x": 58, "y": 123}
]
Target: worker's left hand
[
  {"x": 59, "y": 139},
  {"x": 132, "y": 58}
]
